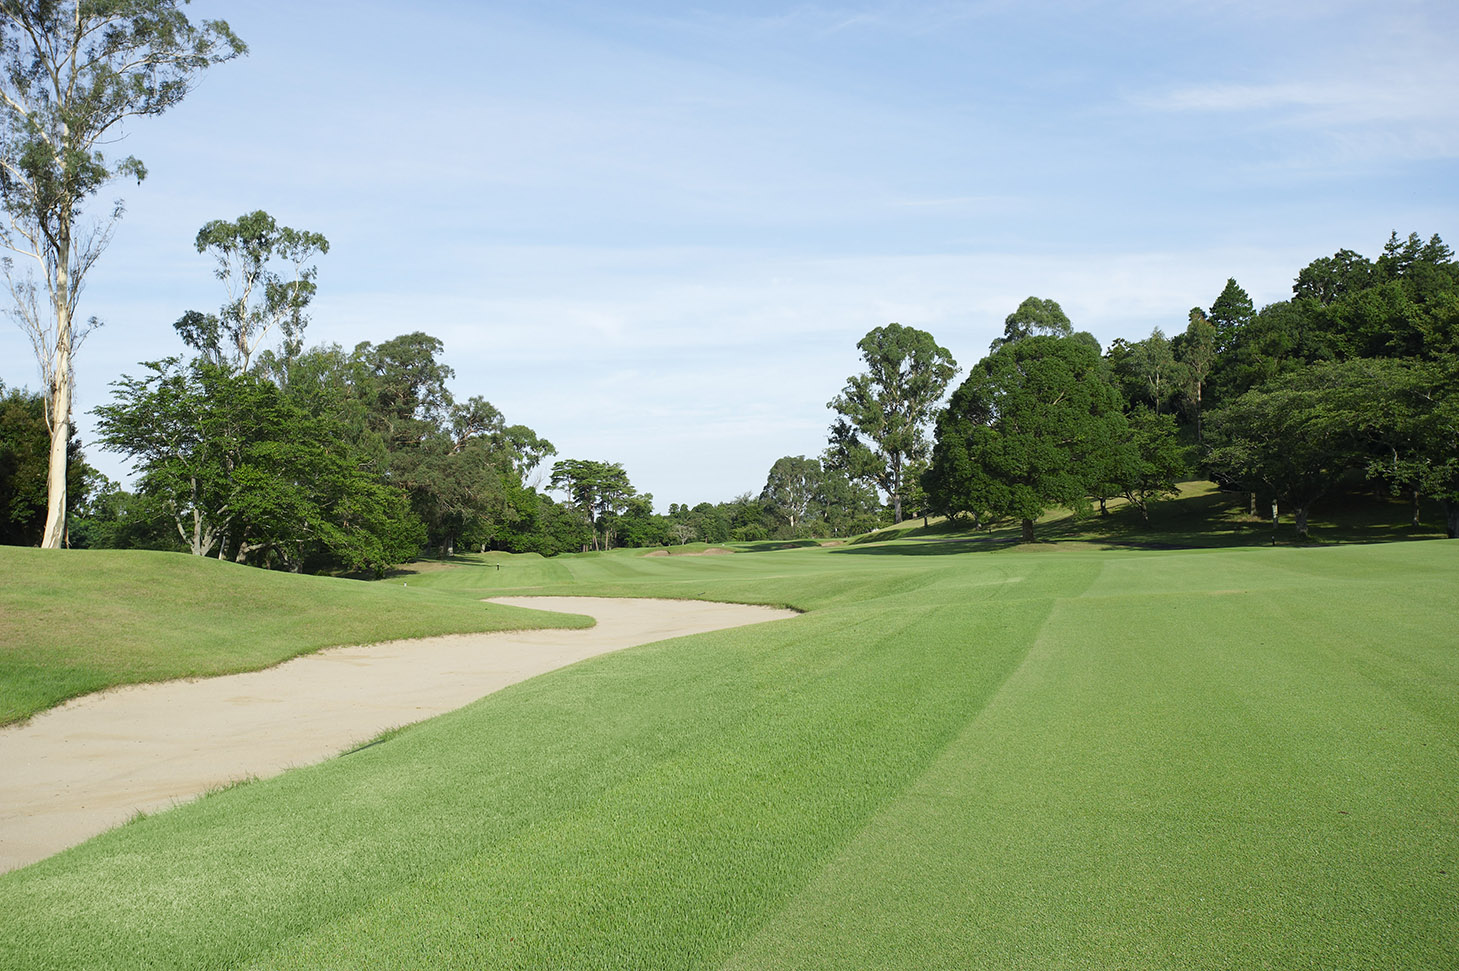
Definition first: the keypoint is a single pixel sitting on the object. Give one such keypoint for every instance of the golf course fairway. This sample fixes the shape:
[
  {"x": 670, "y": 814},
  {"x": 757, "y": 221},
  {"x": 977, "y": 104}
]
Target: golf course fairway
[{"x": 961, "y": 756}]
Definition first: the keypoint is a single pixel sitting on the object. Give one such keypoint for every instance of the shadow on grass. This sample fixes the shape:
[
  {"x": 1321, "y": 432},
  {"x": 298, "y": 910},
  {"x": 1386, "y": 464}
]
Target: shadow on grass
[
  {"x": 930, "y": 547},
  {"x": 1203, "y": 519},
  {"x": 426, "y": 564},
  {"x": 772, "y": 545}
]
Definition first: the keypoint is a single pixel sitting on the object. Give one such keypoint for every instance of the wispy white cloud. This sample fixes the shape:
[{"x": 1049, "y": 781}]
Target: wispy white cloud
[
  {"x": 906, "y": 17},
  {"x": 1386, "y": 86},
  {"x": 1404, "y": 96},
  {"x": 658, "y": 242}
]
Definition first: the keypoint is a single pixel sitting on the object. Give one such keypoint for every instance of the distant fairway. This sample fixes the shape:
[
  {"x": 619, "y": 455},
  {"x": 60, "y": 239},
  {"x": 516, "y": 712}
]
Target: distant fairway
[{"x": 964, "y": 756}]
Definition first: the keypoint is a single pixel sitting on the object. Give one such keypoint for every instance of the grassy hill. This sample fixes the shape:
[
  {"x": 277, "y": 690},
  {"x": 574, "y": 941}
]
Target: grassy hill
[
  {"x": 965, "y": 755},
  {"x": 76, "y": 621},
  {"x": 1203, "y": 517}
]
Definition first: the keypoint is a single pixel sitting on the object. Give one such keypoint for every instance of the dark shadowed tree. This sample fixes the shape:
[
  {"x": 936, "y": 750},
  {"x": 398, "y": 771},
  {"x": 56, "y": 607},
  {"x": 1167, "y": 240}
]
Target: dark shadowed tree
[
  {"x": 1031, "y": 427},
  {"x": 1404, "y": 304},
  {"x": 1408, "y": 413},
  {"x": 1292, "y": 440},
  {"x": 1195, "y": 349},
  {"x": 24, "y": 453},
  {"x": 1331, "y": 278},
  {"x": 1151, "y": 461},
  {"x": 1231, "y": 311}
]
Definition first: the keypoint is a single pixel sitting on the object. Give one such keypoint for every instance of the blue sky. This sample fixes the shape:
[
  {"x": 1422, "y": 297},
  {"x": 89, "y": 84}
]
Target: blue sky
[{"x": 654, "y": 232}]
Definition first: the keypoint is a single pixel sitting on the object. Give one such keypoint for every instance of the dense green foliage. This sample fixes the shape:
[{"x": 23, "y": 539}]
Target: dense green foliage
[
  {"x": 247, "y": 470},
  {"x": 1356, "y": 376},
  {"x": 1034, "y": 425},
  {"x": 966, "y": 755},
  {"x": 804, "y": 498},
  {"x": 601, "y": 493},
  {"x": 1035, "y": 317},
  {"x": 24, "y": 450},
  {"x": 327, "y": 460},
  {"x": 880, "y": 434},
  {"x": 318, "y": 459},
  {"x": 1351, "y": 385}
]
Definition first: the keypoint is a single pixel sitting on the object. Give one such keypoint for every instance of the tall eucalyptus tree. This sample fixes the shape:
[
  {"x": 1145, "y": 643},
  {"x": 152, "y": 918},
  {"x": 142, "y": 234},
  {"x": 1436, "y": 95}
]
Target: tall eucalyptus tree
[
  {"x": 884, "y": 412},
  {"x": 71, "y": 73}
]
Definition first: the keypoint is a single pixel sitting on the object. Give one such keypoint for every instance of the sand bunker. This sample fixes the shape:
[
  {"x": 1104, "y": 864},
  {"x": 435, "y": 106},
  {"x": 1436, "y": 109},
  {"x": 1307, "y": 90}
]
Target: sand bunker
[{"x": 90, "y": 764}]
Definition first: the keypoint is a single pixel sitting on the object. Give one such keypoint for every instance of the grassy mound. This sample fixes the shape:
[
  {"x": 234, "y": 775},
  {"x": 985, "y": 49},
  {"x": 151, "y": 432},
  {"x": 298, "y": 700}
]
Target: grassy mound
[
  {"x": 76, "y": 621},
  {"x": 980, "y": 756}
]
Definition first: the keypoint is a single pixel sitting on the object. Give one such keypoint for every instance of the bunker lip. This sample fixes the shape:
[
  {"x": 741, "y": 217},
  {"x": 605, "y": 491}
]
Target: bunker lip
[{"x": 94, "y": 762}]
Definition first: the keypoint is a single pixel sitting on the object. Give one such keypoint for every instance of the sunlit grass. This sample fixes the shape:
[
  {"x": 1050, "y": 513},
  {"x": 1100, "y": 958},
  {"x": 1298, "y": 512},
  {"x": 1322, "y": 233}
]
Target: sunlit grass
[{"x": 963, "y": 757}]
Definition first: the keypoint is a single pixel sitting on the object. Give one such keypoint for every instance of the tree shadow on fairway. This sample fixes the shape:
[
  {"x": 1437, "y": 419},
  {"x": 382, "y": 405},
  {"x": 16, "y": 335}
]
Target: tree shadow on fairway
[
  {"x": 431, "y": 564},
  {"x": 931, "y": 547},
  {"x": 775, "y": 545}
]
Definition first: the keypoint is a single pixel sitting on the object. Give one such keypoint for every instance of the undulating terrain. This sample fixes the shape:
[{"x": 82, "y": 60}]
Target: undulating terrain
[{"x": 964, "y": 754}]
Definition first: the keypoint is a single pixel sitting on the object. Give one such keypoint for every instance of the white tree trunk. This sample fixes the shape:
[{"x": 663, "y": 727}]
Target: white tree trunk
[
  {"x": 59, "y": 412},
  {"x": 55, "y": 531}
]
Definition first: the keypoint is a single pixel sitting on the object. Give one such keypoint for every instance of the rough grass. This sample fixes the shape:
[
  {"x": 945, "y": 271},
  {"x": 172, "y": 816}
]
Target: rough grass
[
  {"x": 969, "y": 758},
  {"x": 77, "y": 621}
]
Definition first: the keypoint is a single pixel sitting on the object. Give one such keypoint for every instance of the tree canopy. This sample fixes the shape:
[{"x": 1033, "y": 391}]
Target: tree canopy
[
  {"x": 599, "y": 490},
  {"x": 261, "y": 298},
  {"x": 884, "y": 411},
  {"x": 1031, "y": 427}
]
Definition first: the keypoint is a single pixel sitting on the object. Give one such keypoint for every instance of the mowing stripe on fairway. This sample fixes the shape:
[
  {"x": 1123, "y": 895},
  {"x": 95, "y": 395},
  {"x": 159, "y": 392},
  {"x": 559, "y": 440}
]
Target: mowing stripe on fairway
[{"x": 984, "y": 758}]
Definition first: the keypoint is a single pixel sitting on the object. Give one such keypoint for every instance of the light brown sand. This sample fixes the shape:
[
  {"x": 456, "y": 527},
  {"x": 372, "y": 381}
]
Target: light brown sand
[{"x": 90, "y": 764}]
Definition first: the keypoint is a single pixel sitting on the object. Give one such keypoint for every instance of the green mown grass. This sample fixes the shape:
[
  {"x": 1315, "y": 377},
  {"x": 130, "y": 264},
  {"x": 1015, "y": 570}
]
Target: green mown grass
[
  {"x": 973, "y": 757},
  {"x": 77, "y": 621}
]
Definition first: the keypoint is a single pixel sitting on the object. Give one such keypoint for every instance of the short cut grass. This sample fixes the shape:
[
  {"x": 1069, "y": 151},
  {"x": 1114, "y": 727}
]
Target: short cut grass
[{"x": 968, "y": 757}]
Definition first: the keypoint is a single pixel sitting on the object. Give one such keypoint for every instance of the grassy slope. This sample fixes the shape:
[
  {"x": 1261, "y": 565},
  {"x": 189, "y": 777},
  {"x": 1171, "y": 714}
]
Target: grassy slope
[
  {"x": 76, "y": 621},
  {"x": 980, "y": 758},
  {"x": 1202, "y": 517}
]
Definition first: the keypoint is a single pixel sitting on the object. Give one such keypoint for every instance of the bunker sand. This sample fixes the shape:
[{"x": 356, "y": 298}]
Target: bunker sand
[{"x": 90, "y": 764}]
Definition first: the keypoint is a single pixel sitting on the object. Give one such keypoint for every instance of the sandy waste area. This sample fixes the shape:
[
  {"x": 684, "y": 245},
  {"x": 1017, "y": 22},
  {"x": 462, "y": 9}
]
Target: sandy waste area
[{"x": 92, "y": 763}]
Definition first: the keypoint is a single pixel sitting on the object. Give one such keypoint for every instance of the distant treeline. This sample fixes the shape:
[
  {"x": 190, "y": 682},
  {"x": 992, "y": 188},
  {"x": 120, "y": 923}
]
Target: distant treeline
[
  {"x": 1351, "y": 384},
  {"x": 323, "y": 459}
]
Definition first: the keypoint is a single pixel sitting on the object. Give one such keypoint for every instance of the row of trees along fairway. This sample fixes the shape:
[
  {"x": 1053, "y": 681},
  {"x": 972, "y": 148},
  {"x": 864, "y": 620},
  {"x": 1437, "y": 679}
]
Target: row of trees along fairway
[
  {"x": 803, "y": 497},
  {"x": 264, "y": 452},
  {"x": 1352, "y": 384},
  {"x": 601, "y": 493},
  {"x": 1353, "y": 379},
  {"x": 257, "y": 449},
  {"x": 70, "y": 75}
]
